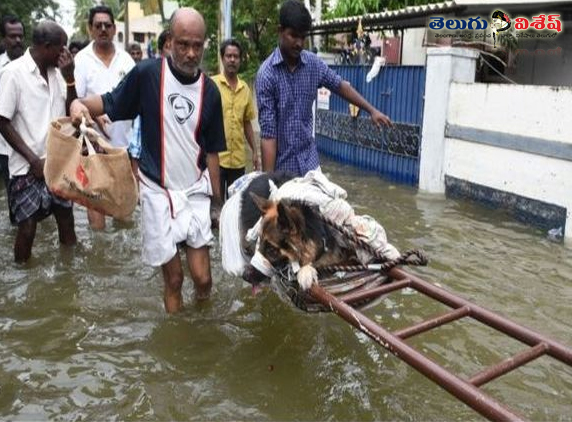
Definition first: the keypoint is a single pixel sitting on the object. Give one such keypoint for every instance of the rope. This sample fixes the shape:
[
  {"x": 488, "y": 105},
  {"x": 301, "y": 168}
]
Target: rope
[
  {"x": 354, "y": 238},
  {"x": 411, "y": 257},
  {"x": 289, "y": 288}
]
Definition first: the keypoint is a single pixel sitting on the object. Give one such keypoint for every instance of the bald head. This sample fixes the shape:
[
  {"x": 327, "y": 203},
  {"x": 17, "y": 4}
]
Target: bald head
[
  {"x": 48, "y": 32},
  {"x": 188, "y": 17},
  {"x": 187, "y": 38}
]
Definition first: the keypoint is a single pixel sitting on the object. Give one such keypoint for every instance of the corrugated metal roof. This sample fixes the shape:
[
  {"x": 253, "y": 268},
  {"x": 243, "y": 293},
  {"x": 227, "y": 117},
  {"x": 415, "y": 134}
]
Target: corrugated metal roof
[{"x": 398, "y": 18}]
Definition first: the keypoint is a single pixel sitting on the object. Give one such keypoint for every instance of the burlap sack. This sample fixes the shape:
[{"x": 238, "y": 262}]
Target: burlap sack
[{"x": 103, "y": 182}]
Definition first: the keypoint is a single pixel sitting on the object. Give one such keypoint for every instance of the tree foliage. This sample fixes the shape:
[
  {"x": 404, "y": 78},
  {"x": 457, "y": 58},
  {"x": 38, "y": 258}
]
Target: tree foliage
[
  {"x": 115, "y": 5},
  {"x": 346, "y": 8},
  {"x": 80, "y": 18},
  {"x": 254, "y": 25},
  {"x": 150, "y": 7},
  {"x": 30, "y": 11},
  {"x": 353, "y": 8}
]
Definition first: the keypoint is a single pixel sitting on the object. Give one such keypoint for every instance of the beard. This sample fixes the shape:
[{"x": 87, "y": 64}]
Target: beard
[{"x": 186, "y": 67}]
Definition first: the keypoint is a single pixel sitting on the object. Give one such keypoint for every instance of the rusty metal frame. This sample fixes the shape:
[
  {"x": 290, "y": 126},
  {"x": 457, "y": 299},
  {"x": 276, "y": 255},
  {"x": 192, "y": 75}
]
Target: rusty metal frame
[{"x": 466, "y": 390}]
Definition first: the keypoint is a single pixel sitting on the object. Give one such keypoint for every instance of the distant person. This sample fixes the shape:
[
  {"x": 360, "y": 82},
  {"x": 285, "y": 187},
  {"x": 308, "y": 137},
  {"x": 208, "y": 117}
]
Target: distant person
[
  {"x": 183, "y": 132},
  {"x": 238, "y": 111},
  {"x": 151, "y": 46},
  {"x": 163, "y": 44},
  {"x": 12, "y": 31},
  {"x": 99, "y": 68},
  {"x": 286, "y": 87},
  {"x": 135, "y": 52},
  {"x": 76, "y": 46},
  {"x": 33, "y": 92}
]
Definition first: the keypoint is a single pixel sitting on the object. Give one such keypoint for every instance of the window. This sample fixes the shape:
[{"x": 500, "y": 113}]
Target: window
[{"x": 139, "y": 37}]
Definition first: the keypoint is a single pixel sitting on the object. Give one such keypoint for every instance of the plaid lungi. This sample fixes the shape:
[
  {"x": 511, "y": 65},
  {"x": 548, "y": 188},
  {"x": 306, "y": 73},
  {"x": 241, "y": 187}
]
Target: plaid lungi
[{"x": 29, "y": 197}]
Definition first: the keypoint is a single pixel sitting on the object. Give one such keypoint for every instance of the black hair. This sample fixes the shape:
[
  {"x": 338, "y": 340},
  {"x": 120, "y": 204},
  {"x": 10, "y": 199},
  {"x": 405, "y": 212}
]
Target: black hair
[
  {"x": 80, "y": 45},
  {"x": 162, "y": 39},
  {"x": 47, "y": 32},
  {"x": 12, "y": 20},
  {"x": 294, "y": 15},
  {"x": 99, "y": 9},
  {"x": 134, "y": 46},
  {"x": 230, "y": 42}
]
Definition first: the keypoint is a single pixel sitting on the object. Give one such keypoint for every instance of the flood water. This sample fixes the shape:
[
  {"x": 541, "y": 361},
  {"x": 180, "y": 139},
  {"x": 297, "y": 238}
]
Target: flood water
[{"x": 83, "y": 333}]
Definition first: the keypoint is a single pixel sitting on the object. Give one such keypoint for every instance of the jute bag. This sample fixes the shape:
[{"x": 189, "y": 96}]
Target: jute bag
[{"x": 102, "y": 180}]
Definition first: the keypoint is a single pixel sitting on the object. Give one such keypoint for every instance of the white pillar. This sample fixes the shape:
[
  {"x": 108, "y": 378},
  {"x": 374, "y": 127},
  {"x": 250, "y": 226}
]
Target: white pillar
[
  {"x": 444, "y": 65},
  {"x": 228, "y": 19}
]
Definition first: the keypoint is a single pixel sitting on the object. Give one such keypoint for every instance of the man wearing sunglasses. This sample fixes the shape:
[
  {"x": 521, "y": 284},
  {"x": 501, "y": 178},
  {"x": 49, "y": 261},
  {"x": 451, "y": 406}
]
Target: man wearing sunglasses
[{"x": 99, "y": 68}]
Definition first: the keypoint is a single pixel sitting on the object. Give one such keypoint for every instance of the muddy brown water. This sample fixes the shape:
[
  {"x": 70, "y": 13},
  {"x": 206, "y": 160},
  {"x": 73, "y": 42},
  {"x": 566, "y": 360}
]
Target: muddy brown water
[{"x": 83, "y": 334}]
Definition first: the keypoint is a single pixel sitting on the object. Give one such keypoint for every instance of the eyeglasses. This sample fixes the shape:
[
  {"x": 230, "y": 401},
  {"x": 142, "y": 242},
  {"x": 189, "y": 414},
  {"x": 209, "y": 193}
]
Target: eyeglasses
[{"x": 102, "y": 25}]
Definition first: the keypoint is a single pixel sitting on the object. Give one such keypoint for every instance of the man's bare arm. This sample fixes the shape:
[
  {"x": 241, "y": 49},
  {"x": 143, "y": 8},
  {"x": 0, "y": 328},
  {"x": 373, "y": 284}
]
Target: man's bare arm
[
  {"x": 216, "y": 201},
  {"x": 17, "y": 143},
  {"x": 249, "y": 133},
  {"x": 88, "y": 107},
  {"x": 350, "y": 94},
  {"x": 66, "y": 66},
  {"x": 214, "y": 172},
  {"x": 268, "y": 148}
]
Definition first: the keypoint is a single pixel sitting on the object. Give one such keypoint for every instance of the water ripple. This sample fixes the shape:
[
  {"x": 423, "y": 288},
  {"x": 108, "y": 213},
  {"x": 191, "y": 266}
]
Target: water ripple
[{"x": 83, "y": 334}]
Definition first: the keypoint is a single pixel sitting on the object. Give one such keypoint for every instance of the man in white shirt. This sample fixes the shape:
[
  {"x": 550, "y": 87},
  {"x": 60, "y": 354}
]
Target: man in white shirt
[
  {"x": 12, "y": 32},
  {"x": 33, "y": 92},
  {"x": 99, "y": 68}
]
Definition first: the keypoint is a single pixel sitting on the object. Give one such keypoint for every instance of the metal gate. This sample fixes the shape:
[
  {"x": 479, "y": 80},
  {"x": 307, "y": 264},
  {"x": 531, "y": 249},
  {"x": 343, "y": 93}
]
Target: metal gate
[{"x": 392, "y": 153}]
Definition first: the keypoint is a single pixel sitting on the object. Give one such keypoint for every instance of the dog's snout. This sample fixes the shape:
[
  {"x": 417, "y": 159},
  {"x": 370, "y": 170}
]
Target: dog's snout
[{"x": 253, "y": 276}]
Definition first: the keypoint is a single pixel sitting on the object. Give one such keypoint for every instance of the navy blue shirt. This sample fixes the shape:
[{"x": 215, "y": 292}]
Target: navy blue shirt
[{"x": 151, "y": 90}]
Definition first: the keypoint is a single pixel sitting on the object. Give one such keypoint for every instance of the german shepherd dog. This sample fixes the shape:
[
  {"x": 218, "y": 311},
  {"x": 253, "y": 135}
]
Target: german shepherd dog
[{"x": 293, "y": 232}]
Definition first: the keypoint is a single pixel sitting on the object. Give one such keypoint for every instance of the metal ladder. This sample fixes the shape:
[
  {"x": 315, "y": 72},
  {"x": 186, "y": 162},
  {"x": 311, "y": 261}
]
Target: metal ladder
[{"x": 466, "y": 390}]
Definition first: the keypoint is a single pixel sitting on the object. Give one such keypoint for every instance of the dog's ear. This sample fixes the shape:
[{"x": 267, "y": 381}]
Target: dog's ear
[
  {"x": 263, "y": 204},
  {"x": 287, "y": 218}
]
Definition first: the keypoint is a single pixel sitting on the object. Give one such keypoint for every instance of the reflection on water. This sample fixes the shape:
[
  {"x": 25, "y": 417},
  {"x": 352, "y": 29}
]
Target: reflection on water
[{"x": 83, "y": 334}]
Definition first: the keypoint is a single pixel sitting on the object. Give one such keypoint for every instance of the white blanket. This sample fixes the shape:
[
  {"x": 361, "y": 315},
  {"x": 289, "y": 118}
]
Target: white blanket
[{"x": 313, "y": 188}]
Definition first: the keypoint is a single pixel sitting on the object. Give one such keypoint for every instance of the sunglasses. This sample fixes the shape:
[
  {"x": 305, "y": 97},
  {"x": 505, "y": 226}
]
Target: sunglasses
[{"x": 102, "y": 25}]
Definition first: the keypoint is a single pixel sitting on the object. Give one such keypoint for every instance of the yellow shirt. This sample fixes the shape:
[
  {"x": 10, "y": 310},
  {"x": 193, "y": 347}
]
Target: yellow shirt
[{"x": 237, "y": 108}]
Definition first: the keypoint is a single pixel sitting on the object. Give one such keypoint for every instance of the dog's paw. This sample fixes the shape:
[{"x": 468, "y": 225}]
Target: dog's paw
[{"x": 307, "y": 276}]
